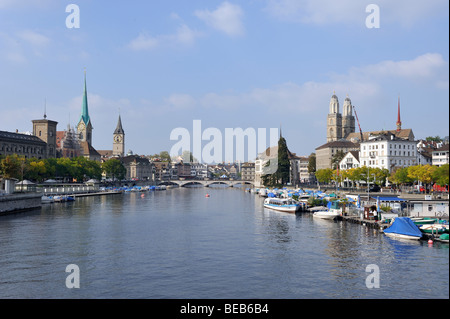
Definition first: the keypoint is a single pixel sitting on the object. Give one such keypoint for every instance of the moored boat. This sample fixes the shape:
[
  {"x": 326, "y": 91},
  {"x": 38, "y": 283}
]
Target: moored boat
[
  {"x": 403, "y": 228},
  {"x": 424, "y": 221},
  {"x": 332, "y": 211},
  {"x": 47, "y": 199},
  {"x": 434, "y": 228},
  {"x": 282, "y": 205}
]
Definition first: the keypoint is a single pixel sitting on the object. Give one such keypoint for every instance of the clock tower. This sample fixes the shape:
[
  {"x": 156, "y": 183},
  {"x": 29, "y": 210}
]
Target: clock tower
[{"x": 119, "y": 140}]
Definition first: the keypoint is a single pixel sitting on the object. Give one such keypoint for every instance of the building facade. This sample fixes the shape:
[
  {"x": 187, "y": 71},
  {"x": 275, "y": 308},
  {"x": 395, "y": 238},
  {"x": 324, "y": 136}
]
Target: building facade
[
  {"x": 25, "y": 145},
  {"x": 325, "y": 153},
  {"x": 440, "y": 155},
  {"x": 388, "y": 151},
  {"x": 46, "y": 131},
  {"x": 138, "y": 168},
  {"x": 248, "y": 171}
]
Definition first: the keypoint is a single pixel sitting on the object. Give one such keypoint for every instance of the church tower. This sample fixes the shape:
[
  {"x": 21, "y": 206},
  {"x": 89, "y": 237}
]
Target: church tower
[
  {"x": 46, "y": 131},
  {"x": 348, "y": 120},
  {"x": 119, "y": 140},
  {"x": 334, "y": 121},
  {"x": 84, "y": 126}
]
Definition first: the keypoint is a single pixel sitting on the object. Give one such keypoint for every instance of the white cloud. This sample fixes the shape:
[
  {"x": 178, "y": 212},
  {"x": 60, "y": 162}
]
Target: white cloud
[
  {"x": 226, "y": 18},
  {"x": 143, "y": 42},
  {"x": 364, "y": 84},
  {"x": 33, "y": 38},
  {"x": 183, "y": 35},
  {"x": 427, "y": 67}
]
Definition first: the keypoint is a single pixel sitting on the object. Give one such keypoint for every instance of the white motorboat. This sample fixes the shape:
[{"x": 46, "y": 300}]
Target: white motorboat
[
  {"x": 47, "y": 199},
  {"x": 282, "y": 204},
  {"x": 331, "y": 212},
  {"x": 327, "y": 214}
]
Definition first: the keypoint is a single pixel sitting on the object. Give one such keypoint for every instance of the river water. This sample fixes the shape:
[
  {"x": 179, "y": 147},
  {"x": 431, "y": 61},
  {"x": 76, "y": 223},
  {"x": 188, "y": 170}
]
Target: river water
[{"x": 179, "y": 244}]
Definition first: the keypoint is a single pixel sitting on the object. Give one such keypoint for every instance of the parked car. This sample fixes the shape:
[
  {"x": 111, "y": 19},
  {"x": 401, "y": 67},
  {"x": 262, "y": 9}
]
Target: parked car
[{"x": 374, "y": 188}]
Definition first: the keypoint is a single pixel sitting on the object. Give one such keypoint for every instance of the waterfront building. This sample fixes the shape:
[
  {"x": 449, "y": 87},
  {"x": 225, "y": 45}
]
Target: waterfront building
[
  {"x": 440, "y": 155},
  {"x": 46, "y": 131},
  {"x": 248, "y": 171},
  {"x": 325, "y": 153},
  {"x": 350, "y": 160},
  {"x": 25, "y": 145},
  {"x": 388, "y": 151},
  {"x": 199, "y": 170},
  {"x": 139, "y": 168}
]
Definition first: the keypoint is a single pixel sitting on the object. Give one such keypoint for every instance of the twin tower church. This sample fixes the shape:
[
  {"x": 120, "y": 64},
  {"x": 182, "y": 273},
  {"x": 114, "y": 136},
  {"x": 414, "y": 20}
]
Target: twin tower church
[{"x": 339, "y": 125}]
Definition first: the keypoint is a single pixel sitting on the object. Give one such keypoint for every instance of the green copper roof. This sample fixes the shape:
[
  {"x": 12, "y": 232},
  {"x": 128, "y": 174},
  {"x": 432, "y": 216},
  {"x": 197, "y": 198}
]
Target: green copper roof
[{"x": 85, "y": 111}]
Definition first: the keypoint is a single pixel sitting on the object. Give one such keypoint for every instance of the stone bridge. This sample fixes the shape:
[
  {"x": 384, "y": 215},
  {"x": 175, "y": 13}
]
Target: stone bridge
[{"x": 206, "y": 183}]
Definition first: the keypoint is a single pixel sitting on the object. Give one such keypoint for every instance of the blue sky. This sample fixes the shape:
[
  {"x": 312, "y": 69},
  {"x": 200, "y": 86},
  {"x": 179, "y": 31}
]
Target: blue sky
[{"x": 249, "y": 64}]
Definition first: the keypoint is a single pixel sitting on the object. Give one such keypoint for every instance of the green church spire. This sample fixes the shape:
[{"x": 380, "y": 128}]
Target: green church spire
[{"x": 85, "y": 111}]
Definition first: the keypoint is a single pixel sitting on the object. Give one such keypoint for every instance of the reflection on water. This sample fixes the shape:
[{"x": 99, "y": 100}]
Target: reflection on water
[{"x": 180, "y": 244}]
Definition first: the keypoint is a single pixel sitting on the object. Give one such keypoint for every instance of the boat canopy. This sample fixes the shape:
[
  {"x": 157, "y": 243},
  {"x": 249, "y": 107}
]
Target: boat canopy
[{"x": 404, "y": 226}]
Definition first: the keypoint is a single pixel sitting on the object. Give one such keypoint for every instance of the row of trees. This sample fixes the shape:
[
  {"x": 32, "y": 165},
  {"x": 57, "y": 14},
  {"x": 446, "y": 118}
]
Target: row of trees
[
  {"x": 425, "y": 174},
  {"x": 69, "y": 169},
  {"x": 354, "y": 175}
]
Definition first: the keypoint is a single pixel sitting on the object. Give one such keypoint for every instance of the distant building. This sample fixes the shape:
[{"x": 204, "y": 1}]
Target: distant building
[
  {"x": 440, "y": 155},
  {"x": 28, "y": 146},
  {"x": 325, "y": 153},
  {"x": 46, "y": 131},
  {"x": 137, "y": 167},
  {"x": 84, "y": 130},
  {"x": 67, "y": 144},
  {"x": 340, "y": 125},
  {"x": 248, "y": 171},
  {"x": 388, "y": 151},
  {"x": 350, "y": 160}
]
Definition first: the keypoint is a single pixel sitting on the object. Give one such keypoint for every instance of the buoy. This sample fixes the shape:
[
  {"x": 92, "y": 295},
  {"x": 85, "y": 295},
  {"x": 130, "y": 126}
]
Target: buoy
[
  {"x": 142, "y": 195},
  {"x": 430, "y": 241},
  {"x": 207, "y": 195}
]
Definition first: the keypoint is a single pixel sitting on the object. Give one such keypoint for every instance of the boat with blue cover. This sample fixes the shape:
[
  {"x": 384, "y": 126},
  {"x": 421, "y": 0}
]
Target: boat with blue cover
[{"x": 403, "y": 228}]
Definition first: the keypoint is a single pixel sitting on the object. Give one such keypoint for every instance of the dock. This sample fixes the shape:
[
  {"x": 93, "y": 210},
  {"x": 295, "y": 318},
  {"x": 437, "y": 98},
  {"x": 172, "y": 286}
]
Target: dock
[{"x": 367, "y": 222}]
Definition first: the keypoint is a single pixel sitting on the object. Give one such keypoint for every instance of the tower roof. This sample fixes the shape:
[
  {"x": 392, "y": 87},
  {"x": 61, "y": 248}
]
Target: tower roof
[
  {"x": 399, "y": 122},
  {"x": 119, "y": 129},
  {"x": 85, "y": 110}
]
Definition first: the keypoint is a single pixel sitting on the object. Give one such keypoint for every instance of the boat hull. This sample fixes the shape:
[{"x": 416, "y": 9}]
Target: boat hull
[
  {"x": 282, "y": 209},
  {"x": 402, "y": 236},
  {"x": 326, "y": 215}
]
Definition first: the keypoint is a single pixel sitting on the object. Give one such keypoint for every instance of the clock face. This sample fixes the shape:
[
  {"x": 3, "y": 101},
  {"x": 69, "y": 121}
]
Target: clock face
[
  {"x": 118, "y": 138},
  {"x": 81, "y": 126}
]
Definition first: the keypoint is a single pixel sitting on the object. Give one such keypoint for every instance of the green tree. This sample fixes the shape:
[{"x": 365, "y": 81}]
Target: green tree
[
  {"x": 10, "y": 167},
  {"x": 324, "y": 175},
  {"x": 284, "y": 164},
  {"x": 441, "y": 175},
  {"x": 400, "y": 176},
  {"x": 312, "y": 163},
  {"x": 114, "y": 169}
]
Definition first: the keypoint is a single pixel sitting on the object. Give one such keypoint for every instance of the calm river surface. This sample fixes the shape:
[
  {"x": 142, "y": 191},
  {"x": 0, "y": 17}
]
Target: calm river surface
[{"x": 180, "y": 244}]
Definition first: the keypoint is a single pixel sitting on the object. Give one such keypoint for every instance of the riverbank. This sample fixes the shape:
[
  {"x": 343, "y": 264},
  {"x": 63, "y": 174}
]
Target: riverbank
[{"x": 16, "y": 203}]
